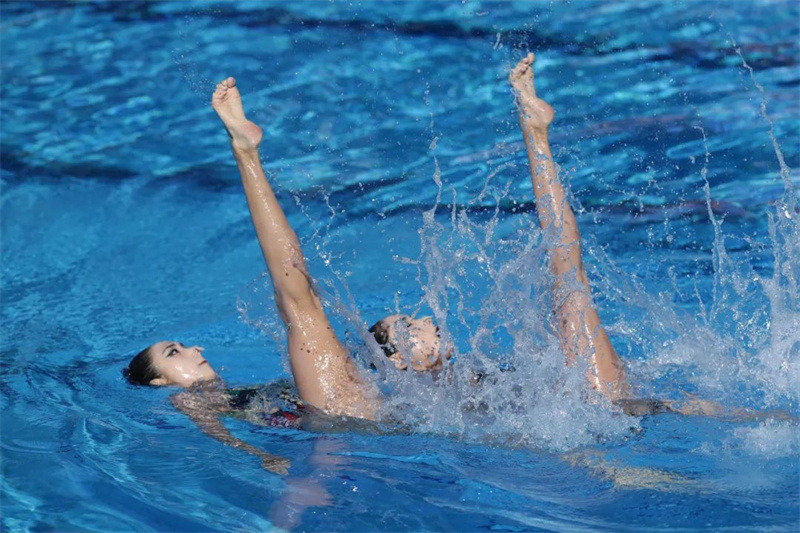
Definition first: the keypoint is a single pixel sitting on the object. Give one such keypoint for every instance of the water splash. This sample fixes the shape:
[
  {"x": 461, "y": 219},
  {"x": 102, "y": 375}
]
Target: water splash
[
  {"x": 744, "y": 344},
  {"x": 488, "y": 289},
  {"x": 487, "y": 286}
]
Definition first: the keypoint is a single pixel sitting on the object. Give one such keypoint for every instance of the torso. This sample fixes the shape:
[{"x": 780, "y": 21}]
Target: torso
[{"x": 275, "y": 404}]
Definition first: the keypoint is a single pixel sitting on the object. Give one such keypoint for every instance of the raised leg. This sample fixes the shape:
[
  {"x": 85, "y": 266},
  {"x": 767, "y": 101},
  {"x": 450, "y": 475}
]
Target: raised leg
[
  {"x": 323, "y": 369},
  {"x": 578, "y": 325}
]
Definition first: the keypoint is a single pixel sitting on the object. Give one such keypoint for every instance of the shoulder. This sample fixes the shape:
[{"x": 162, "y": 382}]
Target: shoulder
[
  {"x": 200, "y": 400},
  {"x": 181, "y": 400}
]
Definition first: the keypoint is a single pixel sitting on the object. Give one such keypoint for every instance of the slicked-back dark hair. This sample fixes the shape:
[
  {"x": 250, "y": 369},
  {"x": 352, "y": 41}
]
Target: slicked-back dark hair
[
  {"x": 380, "y": 330},
  {"x": 140, "y": 370}
]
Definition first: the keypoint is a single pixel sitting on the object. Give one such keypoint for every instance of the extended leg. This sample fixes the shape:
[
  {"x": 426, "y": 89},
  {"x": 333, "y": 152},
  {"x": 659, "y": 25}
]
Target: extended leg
[
  {"x": 578, "y": 325},
  {"x": 323, "y": 370}
]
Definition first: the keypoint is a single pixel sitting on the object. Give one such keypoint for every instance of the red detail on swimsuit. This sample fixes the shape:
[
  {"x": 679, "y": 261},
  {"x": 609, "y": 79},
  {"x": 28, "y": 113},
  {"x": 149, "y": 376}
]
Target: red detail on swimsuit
[{"x": 282, "y": 419}]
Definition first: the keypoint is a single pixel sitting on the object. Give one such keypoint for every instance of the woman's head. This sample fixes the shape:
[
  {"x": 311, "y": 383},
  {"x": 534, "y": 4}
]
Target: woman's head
[
  {"x": 169, "y": 363},
  {"x": 405, "y": 339}
]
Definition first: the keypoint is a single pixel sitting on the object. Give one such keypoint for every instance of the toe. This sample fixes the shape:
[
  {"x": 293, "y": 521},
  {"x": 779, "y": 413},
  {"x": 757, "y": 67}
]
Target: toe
[
  {"x": 219, "y": 92},
  {"x": 230, "y": 82}
]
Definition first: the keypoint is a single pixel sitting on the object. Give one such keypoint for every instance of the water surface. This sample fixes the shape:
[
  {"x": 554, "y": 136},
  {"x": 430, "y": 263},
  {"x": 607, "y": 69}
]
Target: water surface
[{"x": 123, "y": 222}]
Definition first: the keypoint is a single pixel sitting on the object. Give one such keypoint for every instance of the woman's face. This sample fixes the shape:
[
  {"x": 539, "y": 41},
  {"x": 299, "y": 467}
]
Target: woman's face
[
  {"x": 417, "y": 340},
  {"x": 179, "y": 365}
]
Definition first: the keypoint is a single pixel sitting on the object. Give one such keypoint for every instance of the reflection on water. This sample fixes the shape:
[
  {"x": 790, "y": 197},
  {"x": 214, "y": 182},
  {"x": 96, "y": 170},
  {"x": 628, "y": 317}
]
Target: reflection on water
[{"x": 307, "y": 489}]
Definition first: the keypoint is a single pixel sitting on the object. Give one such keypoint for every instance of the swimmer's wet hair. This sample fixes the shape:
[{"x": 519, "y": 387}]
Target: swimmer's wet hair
[
  {"x": 140, "y": 370},
  {"x": 380, "y": 330}
]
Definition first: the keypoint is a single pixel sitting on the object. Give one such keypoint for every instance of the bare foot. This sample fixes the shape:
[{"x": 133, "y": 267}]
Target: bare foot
[
  {"x": 536, "y": 111},
  {"x": 227, "y": 102}
]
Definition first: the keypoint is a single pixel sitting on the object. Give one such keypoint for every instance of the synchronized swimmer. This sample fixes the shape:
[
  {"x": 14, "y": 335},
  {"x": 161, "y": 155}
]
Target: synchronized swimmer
[{"x": 326, "y": 376}]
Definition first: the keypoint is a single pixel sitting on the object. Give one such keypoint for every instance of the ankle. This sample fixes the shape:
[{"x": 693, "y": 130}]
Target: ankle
[
  {"x": 534, "y": 123},
  {"x": 539, "y": 138},
  {"x": 539, "y": 132},
  {"x": 246, "y": 151}
]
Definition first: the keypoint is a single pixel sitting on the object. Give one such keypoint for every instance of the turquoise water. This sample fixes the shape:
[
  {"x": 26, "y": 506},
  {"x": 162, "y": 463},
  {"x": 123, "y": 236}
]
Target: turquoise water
[{"x": 392, "y": 138}]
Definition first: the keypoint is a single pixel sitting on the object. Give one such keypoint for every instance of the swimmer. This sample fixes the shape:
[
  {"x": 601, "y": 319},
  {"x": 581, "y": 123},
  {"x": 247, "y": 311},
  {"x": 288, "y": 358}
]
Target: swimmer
[{"x": 325, "y": 374}]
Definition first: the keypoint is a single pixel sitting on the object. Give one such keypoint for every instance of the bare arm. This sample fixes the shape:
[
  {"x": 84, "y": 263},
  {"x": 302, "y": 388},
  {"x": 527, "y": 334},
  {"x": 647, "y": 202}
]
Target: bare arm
[
  {"x": 208, "y": 422},
  {"x": 325, "y": 374},
  {"x": 580, "y": 332},
  {"x": 691, "y": 405}
]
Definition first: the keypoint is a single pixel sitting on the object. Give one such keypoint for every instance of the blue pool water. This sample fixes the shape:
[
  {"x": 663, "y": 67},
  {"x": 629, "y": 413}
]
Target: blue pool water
[{"x": 123, "y": 223}]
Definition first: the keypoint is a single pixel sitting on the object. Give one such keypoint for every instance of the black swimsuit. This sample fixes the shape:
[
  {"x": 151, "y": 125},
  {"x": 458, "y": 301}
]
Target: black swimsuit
[{"x": 276, "y": 404}]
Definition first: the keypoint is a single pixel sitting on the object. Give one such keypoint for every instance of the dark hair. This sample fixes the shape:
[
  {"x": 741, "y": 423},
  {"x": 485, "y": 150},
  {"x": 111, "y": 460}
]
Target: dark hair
[
  {"x": 380, "y": 330},
  {"x": 140, "y": 370}
]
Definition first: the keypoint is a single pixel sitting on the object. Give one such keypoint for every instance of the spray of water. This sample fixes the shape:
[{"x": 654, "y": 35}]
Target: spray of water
[
  {"x": 487, "y": 287},
  {"x": 744, "y": 345}
]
